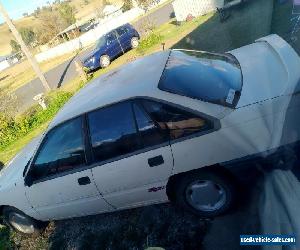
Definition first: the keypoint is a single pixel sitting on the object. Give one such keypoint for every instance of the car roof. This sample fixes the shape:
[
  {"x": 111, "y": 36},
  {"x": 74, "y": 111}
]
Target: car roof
[{"x": 138, "y": 78}]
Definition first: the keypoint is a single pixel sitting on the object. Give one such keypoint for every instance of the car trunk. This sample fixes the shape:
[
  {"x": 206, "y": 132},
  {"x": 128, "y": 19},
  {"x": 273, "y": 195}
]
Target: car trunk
[{"x": 270, "y": 68}]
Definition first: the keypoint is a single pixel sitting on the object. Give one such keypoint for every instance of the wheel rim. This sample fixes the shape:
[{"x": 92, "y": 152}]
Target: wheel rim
[
  {"x": 105, "y": 61},
  {"x": 21, "y": 223},
  {"x": 205, "y": 195},
  {"x": 134, "y": 43}
]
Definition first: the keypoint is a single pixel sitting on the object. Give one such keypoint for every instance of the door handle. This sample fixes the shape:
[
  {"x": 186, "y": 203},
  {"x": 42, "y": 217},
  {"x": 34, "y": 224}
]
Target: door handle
[
  {"x": 84, "y": 181},
  {"x": 156, "y": 161}
]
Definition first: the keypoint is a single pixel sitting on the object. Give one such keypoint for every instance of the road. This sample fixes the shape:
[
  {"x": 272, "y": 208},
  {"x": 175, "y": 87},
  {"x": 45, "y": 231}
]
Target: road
[{"x": 66, "y": 71}]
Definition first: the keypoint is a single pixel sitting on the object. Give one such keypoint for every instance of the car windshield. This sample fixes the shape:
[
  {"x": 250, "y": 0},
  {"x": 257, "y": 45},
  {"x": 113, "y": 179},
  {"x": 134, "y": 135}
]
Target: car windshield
[
  {"x": 205, "y": 76},
  {"x": 101, "y": 42}
]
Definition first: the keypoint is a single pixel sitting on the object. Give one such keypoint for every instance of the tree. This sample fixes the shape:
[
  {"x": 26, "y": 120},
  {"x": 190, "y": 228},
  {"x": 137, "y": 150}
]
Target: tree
[
  {"x": 127, "y": 5},
  {"x": 15, "y": 47},
  {"x": 25, "y": 14},
  {"x": 28, "y": 36},
  {"x": 67, "y": 12},
  {"x": 50, "y": 25}
]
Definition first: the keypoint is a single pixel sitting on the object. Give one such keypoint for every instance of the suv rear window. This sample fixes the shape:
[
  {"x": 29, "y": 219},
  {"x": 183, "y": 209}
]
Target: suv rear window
[{"x": 205, "y": 76}]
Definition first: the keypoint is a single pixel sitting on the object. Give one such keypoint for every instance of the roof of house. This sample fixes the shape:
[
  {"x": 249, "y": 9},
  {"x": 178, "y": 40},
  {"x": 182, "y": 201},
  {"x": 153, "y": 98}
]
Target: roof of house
[{"x": 138, "y": 78}]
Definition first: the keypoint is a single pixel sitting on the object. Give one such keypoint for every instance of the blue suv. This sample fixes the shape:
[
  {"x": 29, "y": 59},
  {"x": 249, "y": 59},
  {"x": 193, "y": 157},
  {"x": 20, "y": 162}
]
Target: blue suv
[{"x": 111, "y": 45}]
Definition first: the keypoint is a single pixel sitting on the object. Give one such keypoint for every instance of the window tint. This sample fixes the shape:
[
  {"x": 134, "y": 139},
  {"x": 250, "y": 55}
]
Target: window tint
[
  {"x": 113, "y": 132},
  {"x": 110, "y": 38},
  {"x": 62, "y": 150},
  {"x": 209, "y": 77},
  {"x": 122, "y": 30},
  {"x": 179, "y": 122},
  {"x": 151, "y": 134}
]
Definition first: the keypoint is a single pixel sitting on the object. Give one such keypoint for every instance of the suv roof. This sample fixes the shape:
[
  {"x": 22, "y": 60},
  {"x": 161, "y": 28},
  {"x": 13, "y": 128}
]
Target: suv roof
[{"x": 131, "y": 80}]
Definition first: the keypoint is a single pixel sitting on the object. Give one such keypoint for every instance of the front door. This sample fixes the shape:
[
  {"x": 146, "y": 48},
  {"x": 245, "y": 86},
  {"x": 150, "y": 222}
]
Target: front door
[
  {"x": 133, "y": 158},
  {"x": 62, "y": 186}
]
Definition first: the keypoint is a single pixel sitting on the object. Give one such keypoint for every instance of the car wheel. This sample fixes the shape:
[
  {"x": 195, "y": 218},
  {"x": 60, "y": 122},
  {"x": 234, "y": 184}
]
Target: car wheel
[
  {"x": 205, "y": 194},
  {"x": 22, "y": 223},
  {"x": 104, "y": 61},
  {"x": 134, "y": 42}
]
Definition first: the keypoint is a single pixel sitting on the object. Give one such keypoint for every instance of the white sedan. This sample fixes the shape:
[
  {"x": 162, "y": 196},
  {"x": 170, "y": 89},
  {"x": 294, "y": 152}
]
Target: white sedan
[{"x": 170, "y": 126}]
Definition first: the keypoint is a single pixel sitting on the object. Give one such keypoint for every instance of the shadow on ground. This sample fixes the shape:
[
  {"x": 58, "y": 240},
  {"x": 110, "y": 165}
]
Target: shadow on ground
[{"x": 244, "y": 26}]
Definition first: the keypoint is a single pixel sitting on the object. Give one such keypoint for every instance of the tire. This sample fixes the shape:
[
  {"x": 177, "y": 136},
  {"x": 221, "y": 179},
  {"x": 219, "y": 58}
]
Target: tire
[
  {"x": 191, "y": 188},
  {"x": 134, "y": 42},
  {"x": 22, "y": 223},
  {"x": 104, "y": 61}
]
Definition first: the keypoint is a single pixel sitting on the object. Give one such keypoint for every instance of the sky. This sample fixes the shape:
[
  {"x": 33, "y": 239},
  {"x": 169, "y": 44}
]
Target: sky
[{"x": 16, "y": 8}]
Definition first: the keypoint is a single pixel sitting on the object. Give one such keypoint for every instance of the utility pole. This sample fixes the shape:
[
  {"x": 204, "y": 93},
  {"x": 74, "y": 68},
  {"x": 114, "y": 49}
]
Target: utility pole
[{"x": 24, "y": 48}]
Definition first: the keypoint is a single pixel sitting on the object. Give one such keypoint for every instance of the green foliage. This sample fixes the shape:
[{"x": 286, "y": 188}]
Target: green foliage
[
  {"x": 67, "y": 12},
  {"x": 15, "y": 47},
  {"x": 27, "y": 35},
  {"x": 5, "y": 241},
  {"x": 148, "y": 42},
  {"x": 127, "y": 5},
  {"x": 12, "y": 129}
]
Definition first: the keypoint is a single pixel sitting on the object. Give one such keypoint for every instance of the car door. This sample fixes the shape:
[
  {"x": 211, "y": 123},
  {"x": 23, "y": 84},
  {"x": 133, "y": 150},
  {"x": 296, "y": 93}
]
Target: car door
[
  {"x": 124, "y": 37},
  {"x": 62, "y": 186},
  {"x": 133, "y": 158},
  {"x": 190, "y": 134},
  {"x": 113, "y": 45}
]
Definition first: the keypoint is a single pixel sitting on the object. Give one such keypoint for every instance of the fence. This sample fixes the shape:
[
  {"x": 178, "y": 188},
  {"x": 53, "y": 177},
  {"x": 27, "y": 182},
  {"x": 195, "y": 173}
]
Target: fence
[
  {"x": 4, "y": 64},
  {"x": 184, "y": 8},
  {"x": 91, "y": 36}
]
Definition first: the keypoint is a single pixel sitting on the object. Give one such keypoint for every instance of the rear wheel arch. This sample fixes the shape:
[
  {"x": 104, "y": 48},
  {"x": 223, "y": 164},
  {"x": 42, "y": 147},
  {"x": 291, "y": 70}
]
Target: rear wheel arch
[{"x": 215, "y": 169}]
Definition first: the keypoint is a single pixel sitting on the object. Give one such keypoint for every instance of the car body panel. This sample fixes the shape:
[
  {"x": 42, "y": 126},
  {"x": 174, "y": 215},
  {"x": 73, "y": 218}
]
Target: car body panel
[
  {"x": 65, "y": 197},
  {"x": 266, "y": 118},
  {"x": 125, "y": 183},
  {"x": 272, "y": 71}
]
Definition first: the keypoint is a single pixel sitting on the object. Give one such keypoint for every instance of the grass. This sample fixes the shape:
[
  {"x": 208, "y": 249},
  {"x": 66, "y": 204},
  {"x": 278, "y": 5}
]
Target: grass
[
  {"x": 22, "y": 73},
  {"x": 6, "y": 35},
  {"x": 9, "y": 152}
]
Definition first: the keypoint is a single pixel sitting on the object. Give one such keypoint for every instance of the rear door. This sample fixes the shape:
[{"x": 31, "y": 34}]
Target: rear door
[
  {"x": 113, "y": 45},
  {"x": 62, "y": 185},
  {"x": 133, "y": 158},
  {"x": 124, "y": 37}
]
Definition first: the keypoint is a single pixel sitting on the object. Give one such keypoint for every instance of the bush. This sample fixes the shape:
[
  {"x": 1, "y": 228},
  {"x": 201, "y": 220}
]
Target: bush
[
  {"x": 12, "y": 129},
  {"x": 5, "y": 241},
  {"x": 148, "y": 42}
]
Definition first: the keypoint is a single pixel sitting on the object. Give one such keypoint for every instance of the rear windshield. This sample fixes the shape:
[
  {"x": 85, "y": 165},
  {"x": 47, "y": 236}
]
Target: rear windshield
[{"x": 208, "y": 77}]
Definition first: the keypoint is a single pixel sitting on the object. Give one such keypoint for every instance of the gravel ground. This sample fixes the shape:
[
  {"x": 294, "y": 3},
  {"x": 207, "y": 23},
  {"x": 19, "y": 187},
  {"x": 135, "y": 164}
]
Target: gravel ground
[{"x": 152, "y": 226}]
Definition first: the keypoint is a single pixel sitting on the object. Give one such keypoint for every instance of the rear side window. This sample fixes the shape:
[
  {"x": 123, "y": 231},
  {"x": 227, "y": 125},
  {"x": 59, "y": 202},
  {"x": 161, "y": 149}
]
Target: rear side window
[
  {"x": 208, "y": 77},
  {"x": 62, "y": 150},
  {"x": 113, "y": 132},
  {"x": 178, "y": 122},
  {"x": 122, "y": 30},
  {"x": 150, "y": 132}
]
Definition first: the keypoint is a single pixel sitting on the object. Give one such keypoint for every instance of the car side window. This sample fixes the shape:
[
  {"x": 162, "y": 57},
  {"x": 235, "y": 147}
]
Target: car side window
[
  {"x": 62, "y": 150},
  {"x": 113, "y": 131},
  {"x": 110, "y": 38},
  {"x": 121, "y": 31},
  {"x": 180, "y": 123},
  {"x": 150, "y": 132}
]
